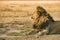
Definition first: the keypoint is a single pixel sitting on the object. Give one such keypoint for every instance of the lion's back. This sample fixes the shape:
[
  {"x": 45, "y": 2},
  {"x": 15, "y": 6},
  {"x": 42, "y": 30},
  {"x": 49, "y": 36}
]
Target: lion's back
[{"x": 54, "y": 28}]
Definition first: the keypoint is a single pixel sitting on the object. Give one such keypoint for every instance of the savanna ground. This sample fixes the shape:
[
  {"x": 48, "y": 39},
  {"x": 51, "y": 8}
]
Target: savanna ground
[{"x": 15, "y": 21}]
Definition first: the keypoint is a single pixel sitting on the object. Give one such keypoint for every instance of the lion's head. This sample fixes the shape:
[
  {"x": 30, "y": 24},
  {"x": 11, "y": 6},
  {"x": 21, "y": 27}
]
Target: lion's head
[
  {"x": 38, "y": 12},
  {"x": 41, "y": 18}
]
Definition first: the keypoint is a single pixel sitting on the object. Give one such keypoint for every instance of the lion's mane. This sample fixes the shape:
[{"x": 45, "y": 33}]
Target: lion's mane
[{"x": 41, "y": 19}]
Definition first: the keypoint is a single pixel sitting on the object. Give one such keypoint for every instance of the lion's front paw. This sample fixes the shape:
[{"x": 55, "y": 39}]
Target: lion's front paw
[
  {"x": 40, "y": 33},
  {"x": 44, "y": 32}
]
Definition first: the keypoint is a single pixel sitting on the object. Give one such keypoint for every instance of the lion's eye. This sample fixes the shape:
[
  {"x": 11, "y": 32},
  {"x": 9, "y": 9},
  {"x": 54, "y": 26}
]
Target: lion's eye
[{"x": 31, "y": 17}]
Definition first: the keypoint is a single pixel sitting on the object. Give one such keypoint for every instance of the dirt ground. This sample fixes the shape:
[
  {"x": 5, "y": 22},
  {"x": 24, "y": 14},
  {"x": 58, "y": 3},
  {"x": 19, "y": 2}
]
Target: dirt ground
[{"x": 31, "y": 37}]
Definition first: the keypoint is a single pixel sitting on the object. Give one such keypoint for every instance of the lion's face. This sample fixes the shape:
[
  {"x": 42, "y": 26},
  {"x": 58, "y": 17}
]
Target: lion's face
[{"x": 36, "y": 14}]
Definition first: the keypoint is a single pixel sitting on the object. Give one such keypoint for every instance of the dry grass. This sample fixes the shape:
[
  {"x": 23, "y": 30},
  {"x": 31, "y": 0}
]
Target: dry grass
[{"x": 20, "y": 12}]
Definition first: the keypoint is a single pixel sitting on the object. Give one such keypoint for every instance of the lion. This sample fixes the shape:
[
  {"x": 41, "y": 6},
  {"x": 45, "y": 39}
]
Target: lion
[{"x": 41, "y": 19}]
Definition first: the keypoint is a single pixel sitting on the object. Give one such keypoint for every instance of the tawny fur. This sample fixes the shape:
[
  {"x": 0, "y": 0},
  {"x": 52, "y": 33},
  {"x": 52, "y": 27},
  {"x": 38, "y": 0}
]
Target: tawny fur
[{"x": 41, "y": 18}]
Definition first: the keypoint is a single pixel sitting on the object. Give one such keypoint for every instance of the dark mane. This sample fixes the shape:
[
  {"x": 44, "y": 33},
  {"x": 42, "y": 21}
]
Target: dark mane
[{"x": 42, "y": 12}]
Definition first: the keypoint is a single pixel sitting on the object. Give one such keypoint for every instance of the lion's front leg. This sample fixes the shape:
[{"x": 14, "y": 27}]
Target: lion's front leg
[{"x": 43, "y": 32}]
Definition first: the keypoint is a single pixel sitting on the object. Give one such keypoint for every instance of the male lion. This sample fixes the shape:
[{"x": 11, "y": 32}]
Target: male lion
[{"x": 41, "y": 19}]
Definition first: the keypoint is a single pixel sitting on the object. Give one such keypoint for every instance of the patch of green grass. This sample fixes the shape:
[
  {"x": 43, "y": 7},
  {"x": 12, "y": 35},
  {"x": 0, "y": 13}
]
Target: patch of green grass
[
  {"x": 2, "y": 39},
  {"x": 23, "y": 32},
  {"x": 25, "y": 28},
  {"x": 15, "y": 34}
]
